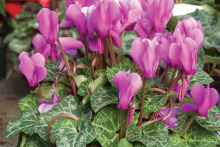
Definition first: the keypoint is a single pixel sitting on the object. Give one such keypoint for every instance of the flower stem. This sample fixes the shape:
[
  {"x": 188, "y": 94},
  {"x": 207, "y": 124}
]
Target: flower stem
[
  {"x": 183, "y": 89},
  {"x": 119, "y": 51},
  {"x": 171, "y": 110},
  {"x": 142, "y": 103},
  {"x": 67, "y": 67},
  {"x": 135, "y": 66},
  {"x": 166, "y": 74},
  {"x": 122, "y": 124},
  {"x": 126, "y": 125},
  {"x": 175, "y": 81},
  {"x": 112, "y": 49},
  {"x": 147, "y": 123},
  {"x": 189, "y": 123},
  {"x": 174, "y": 72},
  {"x": 40, "y": 92},
  {"x": 86, "y": 48},
  {"x": 109, "y": 47},
  {"x": 161, "y": 91}
]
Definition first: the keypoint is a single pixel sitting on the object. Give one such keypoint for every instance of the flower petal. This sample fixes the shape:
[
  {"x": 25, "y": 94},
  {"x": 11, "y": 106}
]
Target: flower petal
[{"x": 188, "y": 107}]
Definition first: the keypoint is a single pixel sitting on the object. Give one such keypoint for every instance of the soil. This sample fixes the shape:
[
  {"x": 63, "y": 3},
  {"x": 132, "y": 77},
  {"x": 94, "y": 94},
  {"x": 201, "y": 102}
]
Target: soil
[{"x": 11, "y": 90}]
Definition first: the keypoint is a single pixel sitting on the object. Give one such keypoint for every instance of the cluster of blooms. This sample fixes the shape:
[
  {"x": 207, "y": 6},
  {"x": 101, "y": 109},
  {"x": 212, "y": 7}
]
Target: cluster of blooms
[{"x": 98, "y": 20}]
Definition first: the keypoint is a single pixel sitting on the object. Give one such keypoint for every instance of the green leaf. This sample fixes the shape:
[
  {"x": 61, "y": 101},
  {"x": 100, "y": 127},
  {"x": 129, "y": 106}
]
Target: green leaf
[
  {"x": 33, "y": 23},
  {"x": 67, "y": 136},
  {"x": 84, "y": 87},
  {"x": 124, "y": 143},
  {"x": 69, "y": 105},
  {"x": 125, "y": 60},
  {"x": 79, "y": 79},
  {"x": 200, "y": 60},
  {"x": 102, "y": 97},
  {"x": 52, "y": 69},
  {"x": 22, "y": 29},
  {"x": 2, "y": 8},
  {"x": 105, "y": 125},
  {"x": 32, "y": 141},
  {"x": 155, "y": 82},
  {"x": 28, "y": 101},
  {"x": 172, "y": 24},
  {"x": 47, "y": 90},
  {"x": 200, "y": 77},
  {"x": 212, "y": 41},
  {"x": 198, "y": 15},
  {"x": 212, "y": 59},
  {"x": 154, "y": 103},
  {"x": 155, "y": 134},
  {"x": 111, "y": 72},
  {"x": 127, "y": 41},
  {"x": 211, "y": 122},
  {"x": 100, "y": 72},
  {"x": 20, "y": 45},
  {"x": 195, "y": 136},
  {"x": 212, "y": 26},
  {"x": 84, "y": 61},
  {"x": 24, "y": 123},
  {"x": 182, "y": 120}
]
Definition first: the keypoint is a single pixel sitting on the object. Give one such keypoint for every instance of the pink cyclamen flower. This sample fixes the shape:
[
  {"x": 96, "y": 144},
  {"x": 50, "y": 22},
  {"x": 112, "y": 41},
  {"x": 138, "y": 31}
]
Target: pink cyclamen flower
[
  {"x": 46, "y": 106},
  {"x": 184, "y": 55},
  {"x": 45, "y": 3},
  {"x": 189, "y": 28},
  {"x": 204, "y": 98},
  {"x": 32, "y": 67},
  {"x": 146, "y": 54},
  {"x": 127, "y": 84},
  {"x": 48, "y": 24},
  {"x": 158, "y": 12},
  {"x": 171, "y": 121}
]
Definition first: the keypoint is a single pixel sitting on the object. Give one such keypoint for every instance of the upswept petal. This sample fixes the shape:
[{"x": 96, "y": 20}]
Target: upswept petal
[
  {"x": 40, "y": 73},
  {"x": 197, "y": 92}
]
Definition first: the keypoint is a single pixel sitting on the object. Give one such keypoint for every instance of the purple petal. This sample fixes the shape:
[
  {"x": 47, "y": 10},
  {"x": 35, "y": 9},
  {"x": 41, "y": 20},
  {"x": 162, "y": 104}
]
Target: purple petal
[
  {"x": 40, "y": 73},
  {"x": 38, "y": 59},
  {"x": 113, "y": 12},
  {"x": 115, "y": 39},
  {"x": 131, "y": 114},
  {"x": 43, "y": 108},
  {"x": 55, "y": 97},
  {"x": 188, "y": 107},
  {"x": 53, "y": 53},
  {"x": 197, "y": 92},
  {"x": 27, "y": 68},
  {"x": 67, "y": 24}
]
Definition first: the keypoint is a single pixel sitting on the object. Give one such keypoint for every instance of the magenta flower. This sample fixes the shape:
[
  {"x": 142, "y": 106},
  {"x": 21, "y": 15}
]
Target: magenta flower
[
  {"x": 46, "y": 106},
  {"x": 127, "y": 84},
  {"x": 204, "y": 98},
  {"x": 184, "y": 55},
  {"x": 146, "y": 54},
  {"x": 178, "y": 87},
  {"x": 171, "y": 121},
  {"x": 32, "y": 67},
  {"x": 158, "y": 12},
  {"x": 165, "y": 41},
  {"x": 190, "y": 28},
  {"x": 48, "y": 24},
  {"x": 75, "y": 18}
]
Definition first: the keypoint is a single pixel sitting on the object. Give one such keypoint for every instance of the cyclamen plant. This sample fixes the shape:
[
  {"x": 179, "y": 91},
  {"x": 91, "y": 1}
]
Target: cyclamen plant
[{"x": 93, "y": 88}]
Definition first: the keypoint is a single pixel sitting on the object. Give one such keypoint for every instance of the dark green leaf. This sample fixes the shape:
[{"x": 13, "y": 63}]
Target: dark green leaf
[
  {"x": 155, "y": 134},
  {"x": 32, "y": 141},
  {"x": 195, "y": 136},
  {"x": 2, "y": 8},
  {"x": 28, "y": 101},
  {"x": 200, "y": 77},
  {"x": 105, "y": 125},
  {"x": 24, "y": 123},
  {"x": 102, "y": 97},
  {"x": 127, "y": 41},
  {"x": 154, "y": 103},
  {"x": 124, "y": 143},
  {"x": 211, "y": 122},
  {"x": 200, "y": 60},
  {"x": 68, "y": 105},
  {"x": 20, "y": 45}
]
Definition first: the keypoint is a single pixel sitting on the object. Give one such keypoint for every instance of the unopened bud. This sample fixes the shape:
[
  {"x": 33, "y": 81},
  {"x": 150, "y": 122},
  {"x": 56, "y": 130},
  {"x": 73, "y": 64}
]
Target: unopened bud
[{"x": 133, "y": 103}]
